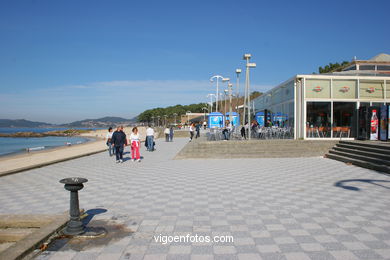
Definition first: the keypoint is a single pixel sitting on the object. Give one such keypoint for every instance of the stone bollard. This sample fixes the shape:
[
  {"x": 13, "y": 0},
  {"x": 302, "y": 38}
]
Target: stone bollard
[{"x": 75, "y": 226}]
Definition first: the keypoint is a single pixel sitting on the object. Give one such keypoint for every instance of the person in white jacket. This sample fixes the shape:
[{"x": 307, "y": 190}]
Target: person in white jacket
[
  {"x": 135, "y": 143},
  {"x": 166, "y": 132}
]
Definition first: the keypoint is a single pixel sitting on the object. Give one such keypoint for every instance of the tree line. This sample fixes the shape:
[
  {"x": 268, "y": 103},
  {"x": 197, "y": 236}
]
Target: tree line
[
  {"x": 152, "y": 114},
  {"x": 333, "y": 67}
]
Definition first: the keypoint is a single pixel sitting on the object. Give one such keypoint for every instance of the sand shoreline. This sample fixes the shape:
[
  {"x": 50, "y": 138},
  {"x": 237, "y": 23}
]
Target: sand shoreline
[{"x": 21, "y": 162}]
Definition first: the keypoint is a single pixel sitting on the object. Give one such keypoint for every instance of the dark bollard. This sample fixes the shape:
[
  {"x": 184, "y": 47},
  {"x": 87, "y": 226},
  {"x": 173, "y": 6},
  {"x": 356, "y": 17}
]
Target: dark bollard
[{"x": 75, "y": 226}]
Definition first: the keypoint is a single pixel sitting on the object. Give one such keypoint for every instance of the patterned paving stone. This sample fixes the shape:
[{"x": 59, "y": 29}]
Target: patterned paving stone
[{"x": 291, "y": 208}]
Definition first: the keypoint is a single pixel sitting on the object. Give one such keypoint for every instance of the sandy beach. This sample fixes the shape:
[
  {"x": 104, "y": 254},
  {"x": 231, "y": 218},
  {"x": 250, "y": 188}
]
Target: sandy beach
[{"x": 21, "y": 162}]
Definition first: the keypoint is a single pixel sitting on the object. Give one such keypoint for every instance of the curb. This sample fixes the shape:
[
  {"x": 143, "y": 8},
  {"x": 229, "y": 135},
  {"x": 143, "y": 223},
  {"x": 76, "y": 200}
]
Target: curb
[
  {"x": 5, "y": 173},
  {"x": 24, "y": 247}
]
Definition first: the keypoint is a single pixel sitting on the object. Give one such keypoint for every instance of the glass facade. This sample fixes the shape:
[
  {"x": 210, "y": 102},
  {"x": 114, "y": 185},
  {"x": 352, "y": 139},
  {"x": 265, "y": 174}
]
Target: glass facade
[
  {"x": 344, "y": 89},
  {"x": 317, "y": 88},
  {"x": 318, "y": 116},
  {"x": 371, "y": 89},
  {"x": 344, "y": 119},
  {"x": 326, "y": 106},
  {"x": 279, "y": 105}
]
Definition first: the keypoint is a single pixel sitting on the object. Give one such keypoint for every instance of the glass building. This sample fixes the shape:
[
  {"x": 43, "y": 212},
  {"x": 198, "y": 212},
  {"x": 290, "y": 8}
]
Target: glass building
[{"x": 326, "y": 105}]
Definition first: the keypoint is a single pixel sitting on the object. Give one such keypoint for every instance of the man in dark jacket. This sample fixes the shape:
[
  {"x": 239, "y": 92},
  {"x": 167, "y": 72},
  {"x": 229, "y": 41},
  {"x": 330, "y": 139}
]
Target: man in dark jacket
[{"x": 119, "y": 141}]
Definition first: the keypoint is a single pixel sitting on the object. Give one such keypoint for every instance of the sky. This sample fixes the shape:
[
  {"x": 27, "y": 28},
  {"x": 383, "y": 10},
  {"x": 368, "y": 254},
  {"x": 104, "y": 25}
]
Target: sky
[{"x": 62, "y": 61}]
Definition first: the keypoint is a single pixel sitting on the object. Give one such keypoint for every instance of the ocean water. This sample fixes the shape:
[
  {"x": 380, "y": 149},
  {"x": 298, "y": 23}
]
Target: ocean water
[
  {"x": 11, "y": 130},
  {"x": 13, "y": 145}
]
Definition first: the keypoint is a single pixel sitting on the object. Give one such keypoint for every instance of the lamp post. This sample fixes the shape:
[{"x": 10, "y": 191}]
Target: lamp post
[
  {"x": 230, "y": 86},
  {"x": 175, "y": 115},
  {"x": 247, "y": 88},
  {"x": 211, "y": 101},
  {"x": 225, "y": 91},
  {"x": 188, "y": 117},
  {"x": 238, "y": 71},
  {"x": 225, "y": 99},
  {"x": 165, "y": 120},
  {"x": 217, "y": 77},
  {"x": 204, "y": 113}
]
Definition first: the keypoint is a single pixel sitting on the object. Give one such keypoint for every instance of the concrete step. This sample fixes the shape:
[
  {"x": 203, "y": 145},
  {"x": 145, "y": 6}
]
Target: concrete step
[
  {"x": 14, "y": 234},
  {"x": 364, "y": 164},
  {"x": 254, "y": 149},
  {"x": 385, "y": 157},
  {"x": 372, "y": 144},
  {"x": 376, "y": 149},
  {"x": 372, "y": 160}
]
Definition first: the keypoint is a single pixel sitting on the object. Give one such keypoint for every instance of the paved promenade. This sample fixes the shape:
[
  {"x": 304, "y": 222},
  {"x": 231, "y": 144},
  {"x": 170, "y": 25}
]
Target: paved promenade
[{"x": 306, "y": 208}]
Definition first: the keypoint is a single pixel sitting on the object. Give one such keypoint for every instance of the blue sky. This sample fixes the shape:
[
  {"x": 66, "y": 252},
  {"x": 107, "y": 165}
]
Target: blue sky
[{"x": 62, "y": 61}]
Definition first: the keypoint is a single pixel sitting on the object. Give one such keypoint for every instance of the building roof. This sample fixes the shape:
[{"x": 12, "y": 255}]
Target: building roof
[{"x": 381, "y": 57}]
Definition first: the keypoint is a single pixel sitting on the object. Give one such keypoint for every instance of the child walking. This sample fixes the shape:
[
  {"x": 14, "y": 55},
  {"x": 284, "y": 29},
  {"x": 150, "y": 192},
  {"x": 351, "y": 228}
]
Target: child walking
[{"x": 135, "y": 145}]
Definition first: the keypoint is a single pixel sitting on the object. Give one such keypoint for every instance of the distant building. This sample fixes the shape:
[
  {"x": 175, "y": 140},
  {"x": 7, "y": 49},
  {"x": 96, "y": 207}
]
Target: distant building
[
  {"x": 325, "y": 105},
  {"x": 192, "y": 117},
  {"x": 378, "y": 65}
]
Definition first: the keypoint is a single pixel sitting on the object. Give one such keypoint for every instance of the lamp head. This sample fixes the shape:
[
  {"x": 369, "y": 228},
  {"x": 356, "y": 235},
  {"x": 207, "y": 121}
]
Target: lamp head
[
  {"x": 246, "y": 56},
  {"x": 238, "y": 71},
  {"x": 230, "y": 85},
  {"x": 251, "y": 65},
  {"x": 225, "y": 79}
]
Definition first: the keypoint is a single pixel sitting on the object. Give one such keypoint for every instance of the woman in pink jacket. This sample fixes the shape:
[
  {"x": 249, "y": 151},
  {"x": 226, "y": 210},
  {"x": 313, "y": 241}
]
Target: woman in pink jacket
[{"x": 135, "y": 143}]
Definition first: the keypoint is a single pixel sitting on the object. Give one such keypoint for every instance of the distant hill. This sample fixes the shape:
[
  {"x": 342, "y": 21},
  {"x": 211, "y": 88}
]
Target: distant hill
[
  {"x": 100, "y": 122},
  {"x": 22, "y": 123}
]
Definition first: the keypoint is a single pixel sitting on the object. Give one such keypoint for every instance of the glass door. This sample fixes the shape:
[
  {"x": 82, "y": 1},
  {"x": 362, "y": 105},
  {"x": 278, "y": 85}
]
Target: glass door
[{"x": 344, "y": 119}]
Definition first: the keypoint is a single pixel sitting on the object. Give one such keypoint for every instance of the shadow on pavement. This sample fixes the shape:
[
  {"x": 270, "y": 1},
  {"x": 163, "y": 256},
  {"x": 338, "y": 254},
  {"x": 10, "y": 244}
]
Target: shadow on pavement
[{"x": 342, "y": 184}]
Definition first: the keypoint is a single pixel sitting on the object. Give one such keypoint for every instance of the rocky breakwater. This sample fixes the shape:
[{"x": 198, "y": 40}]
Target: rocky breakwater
[{"x": 68, "y": 132}]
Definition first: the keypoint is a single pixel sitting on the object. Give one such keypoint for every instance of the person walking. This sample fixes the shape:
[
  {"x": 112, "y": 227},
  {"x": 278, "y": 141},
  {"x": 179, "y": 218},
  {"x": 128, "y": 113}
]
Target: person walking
[
  {"x": 119, "y": 142},
  {"x": 171, "y": 131},
  {"x": 150, "y": 138},
  {"x": 197, "y": 127},
  {"x": 111, "y": 150},
  {"x": 192, "y": 129},
  {"x": 226, "y": 130},
  {"x": 166, "y": 132},
  {"x": 135, "y": 145}
]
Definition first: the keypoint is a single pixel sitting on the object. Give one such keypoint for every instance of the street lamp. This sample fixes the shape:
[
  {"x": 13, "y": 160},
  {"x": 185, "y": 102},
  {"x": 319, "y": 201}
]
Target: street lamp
[
  {"x": 238, "y": 71},
  {"x": 211, "y": 101},
  {"x": 225, "y": 91},
  {"x": 212, "y": 80},
  {"x": 175, "y": 115},
  {"x": 188, "y": 117},
  {"x": 230, "y": 86},
  {"x": 225, "y": 99},
  {"x": 247, "y": 88},
  {"x": 204, "y": 113}
]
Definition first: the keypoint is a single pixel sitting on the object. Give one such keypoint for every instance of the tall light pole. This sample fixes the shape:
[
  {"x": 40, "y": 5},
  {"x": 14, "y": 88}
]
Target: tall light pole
[
  {"x": 238, "y": 71},
  {"x": 175, "y": 114},
  {"x": 211, "y": 101},
  {"x": 204, "y": 112},
  {"x": 188, "y": 117},
  {"x": 217, "y": 77},
  {"x": 225, "y": 99},
  {"x": 247, "y": 88},
  {"x": 230, "y": 86},
  {"x": 225, "y": 91}
]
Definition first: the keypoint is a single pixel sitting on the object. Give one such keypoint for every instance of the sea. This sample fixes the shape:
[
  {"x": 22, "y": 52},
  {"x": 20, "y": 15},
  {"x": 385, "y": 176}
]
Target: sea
[{"x": 15, "y": 145}]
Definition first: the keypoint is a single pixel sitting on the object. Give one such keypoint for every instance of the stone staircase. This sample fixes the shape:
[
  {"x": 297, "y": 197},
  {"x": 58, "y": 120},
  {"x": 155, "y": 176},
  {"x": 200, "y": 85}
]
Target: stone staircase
[
  {"x": 373, "y": 155},
  {"x": 203, "y": 149}
]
